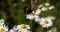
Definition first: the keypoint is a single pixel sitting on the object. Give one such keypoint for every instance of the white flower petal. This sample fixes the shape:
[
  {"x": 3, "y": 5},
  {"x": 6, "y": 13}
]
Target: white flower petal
[
  {"x": 38, "y": 11},
  {"x": 15, "y": 27},
  {"x": 50, "y": 24},
  {"x": 43, "y": 25},
  {"x": 29, "y": 17},
  {"x": 24, "y": 30},
  {"x": 51, "y": 17},
  {"x": 6, "y": 29},
  {"x": 51, "y": 7},
  {"x": 33, "y": 12},
  {"x": 35, "y": 16},
  {"x": 40, "y": 6},
  {"x": 12, "y": 30},
  {"x": 37, "y": 19},
  {"x": 44, "y": 8},
  {"x": 2, "y": 21},
  {"x": 27, "y": 27},
  {"x": 47, "y": 4}
]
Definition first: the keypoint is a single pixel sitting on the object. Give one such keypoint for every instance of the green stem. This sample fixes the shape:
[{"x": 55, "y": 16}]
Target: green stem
[{"x": 31, "y": 24}]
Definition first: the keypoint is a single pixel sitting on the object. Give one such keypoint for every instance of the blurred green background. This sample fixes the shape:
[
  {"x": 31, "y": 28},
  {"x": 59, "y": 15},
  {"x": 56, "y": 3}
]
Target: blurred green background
[{"x": 14, "y": 11}]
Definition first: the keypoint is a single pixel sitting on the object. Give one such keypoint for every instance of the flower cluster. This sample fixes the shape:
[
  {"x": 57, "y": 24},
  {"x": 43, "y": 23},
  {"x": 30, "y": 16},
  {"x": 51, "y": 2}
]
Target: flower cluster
[
  {"x": 18, "y": 28},
  {"x": 45, "y": 7},
  {"x": 46, "y": 21}
]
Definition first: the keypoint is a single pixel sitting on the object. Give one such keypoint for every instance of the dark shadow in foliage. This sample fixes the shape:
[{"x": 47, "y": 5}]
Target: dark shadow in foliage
[
  {"x": 27, "y": 10},
  {"x": 35, "y": 26}
]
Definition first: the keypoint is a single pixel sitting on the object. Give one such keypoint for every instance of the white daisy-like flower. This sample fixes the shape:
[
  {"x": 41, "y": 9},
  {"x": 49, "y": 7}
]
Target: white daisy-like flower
[
  {"x": 12, "y": 30},
  {"x": 40, "y": 6},
  {"x": 51, "y": 7},
  {"x": 46, "y": 22},
  {"x": 32, "y": 15},
  {"x": 3, "y": 28},
  {"x": 44, "y": 8},
  {"x": 23, "y": 28},
  {"x": 47, "y": 4},
  {"x": 1, "y": 21}
]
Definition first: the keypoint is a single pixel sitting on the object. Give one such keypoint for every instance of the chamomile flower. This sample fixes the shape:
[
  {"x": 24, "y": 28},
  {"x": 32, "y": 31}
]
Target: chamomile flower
[
  {"x": 44, "y": 8},
  {"x": 32, "y": 15},
  {"x": 46, "y": 22},
  {"x": 1, "y": 21},
  {"x": 3, "y": 28},
  {"x": 40, "y": 6},
  {"x": 23, "y": 28},
  {"x": 47, "y": 4},
  {"x": 51, "y": 7}
]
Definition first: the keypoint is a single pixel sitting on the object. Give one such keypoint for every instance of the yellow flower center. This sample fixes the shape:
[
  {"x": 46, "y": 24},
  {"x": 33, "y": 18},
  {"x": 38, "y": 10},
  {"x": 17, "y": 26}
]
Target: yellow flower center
[
  {"x": 23, "y": 26},
  {"x": 1, "y": 30},
  {"x": 45, "y": 22},
  {"x": 32, "y": 14}
]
